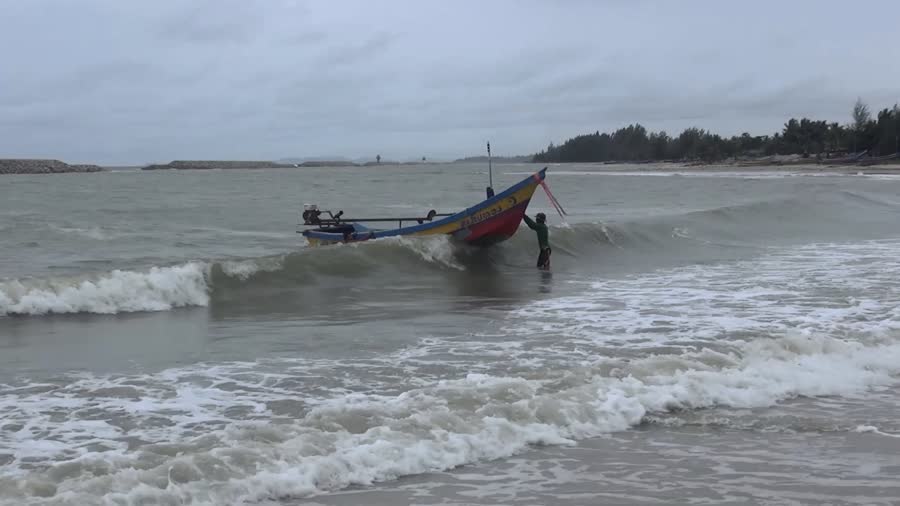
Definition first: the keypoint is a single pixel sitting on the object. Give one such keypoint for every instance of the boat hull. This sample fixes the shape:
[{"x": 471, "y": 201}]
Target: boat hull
[{"x": 488, "y": 222}]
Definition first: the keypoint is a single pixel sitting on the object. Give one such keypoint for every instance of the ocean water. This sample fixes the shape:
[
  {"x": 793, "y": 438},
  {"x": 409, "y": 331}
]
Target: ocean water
[{"x": 703, "y": 337}]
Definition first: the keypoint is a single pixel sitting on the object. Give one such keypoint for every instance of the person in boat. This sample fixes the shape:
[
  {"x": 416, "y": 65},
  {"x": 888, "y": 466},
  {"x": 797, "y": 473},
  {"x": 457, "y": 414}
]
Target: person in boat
[{"x": 539, "y": 225}]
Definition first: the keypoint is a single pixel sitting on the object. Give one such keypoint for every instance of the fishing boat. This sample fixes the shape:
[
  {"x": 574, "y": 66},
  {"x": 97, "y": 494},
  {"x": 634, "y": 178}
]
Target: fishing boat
[{"x": 492, "y": 220}]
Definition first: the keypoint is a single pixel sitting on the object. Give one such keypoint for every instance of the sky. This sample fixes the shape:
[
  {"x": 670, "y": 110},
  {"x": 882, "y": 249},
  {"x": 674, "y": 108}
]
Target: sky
[{"x": 118, "y": 82}]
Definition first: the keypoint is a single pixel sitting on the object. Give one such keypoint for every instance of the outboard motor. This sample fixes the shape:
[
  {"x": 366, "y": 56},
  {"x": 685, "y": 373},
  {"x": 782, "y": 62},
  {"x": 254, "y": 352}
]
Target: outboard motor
[{"x": 311, "y": 214}]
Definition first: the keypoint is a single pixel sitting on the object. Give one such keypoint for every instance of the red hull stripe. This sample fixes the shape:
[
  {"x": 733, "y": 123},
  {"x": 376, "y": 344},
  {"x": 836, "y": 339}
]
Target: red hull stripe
[{"x": 500, "y": 226}]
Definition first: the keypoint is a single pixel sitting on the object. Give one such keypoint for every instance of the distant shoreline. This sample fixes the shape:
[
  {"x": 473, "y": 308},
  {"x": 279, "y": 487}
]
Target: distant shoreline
[
  {"x": 767, "y": 164},
  {"x": 41, "y": 166},
  {"x": 807, "y": 168}
]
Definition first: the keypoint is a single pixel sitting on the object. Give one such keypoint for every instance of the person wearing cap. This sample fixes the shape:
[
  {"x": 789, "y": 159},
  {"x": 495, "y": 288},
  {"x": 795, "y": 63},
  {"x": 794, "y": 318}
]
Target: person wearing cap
[{"x": 539, "y": 225}]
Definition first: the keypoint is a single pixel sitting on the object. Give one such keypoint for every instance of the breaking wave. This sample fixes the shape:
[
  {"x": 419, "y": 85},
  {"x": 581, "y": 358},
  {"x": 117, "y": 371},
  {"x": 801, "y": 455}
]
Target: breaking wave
[
  {"x": 205, "y": 455},
  {"x": 162, "y": 288},
  {"x": 158, "y": 289},
  {"x": 699, "y": 237},
  {"x": 799, "y": 322}
]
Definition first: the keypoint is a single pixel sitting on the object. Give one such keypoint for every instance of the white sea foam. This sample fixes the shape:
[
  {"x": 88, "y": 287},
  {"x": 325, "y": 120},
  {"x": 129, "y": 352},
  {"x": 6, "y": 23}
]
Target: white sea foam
[
  {"x": 812, "y": 321},
  {"x": 93, "y": 232},
  {"x": 157, "y": 289},
  {"x": 244, "y": 269},
  {"x": 220, "y": 444},
  {"x": 837, "y": 290},
  {"x": 437, "y": 249},
  {"x": 874, "y": 430}
]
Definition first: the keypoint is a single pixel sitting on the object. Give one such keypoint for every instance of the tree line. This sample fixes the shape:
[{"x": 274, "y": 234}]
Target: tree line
[{"x": 876, "y": 136}]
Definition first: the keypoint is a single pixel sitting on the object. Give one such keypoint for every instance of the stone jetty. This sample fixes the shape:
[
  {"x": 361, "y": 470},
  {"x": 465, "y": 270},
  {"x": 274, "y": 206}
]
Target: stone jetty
[{"x": 32, "y": 166}]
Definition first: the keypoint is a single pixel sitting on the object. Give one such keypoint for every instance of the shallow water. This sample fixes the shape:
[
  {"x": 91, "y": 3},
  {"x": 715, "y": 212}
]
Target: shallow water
[{"x": 705, "y": 337}]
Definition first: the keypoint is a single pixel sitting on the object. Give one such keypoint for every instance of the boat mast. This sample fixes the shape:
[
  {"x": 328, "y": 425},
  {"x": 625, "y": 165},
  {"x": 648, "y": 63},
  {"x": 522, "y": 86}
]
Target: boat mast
[{"x": 490, "y": 189}]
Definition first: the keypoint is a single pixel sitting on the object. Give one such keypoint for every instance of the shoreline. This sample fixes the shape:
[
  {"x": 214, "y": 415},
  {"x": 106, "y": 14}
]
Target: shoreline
[
  {"x": 811, "y": 168},
  {"x": 52, "y": 166}
]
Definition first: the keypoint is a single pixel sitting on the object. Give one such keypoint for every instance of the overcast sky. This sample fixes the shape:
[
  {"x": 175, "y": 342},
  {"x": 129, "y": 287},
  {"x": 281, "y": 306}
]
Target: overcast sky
[{"x": 122, "y": 82}]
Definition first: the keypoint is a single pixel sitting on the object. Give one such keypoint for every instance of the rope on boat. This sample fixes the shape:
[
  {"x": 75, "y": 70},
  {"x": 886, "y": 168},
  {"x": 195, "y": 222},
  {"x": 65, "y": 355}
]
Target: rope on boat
[{"x": 556, "y": 205}]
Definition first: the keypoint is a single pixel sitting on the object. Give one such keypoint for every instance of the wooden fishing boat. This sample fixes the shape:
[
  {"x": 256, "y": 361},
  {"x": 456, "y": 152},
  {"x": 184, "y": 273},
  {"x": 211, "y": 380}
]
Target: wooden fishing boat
[{"x": 492, "y": 220}]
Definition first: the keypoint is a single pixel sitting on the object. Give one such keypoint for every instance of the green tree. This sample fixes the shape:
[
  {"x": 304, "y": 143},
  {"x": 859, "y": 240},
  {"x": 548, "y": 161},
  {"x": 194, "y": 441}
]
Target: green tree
[
  {"x": 861, "y": 118},
  {"x": 896, "y": 128},
  {"x": 861, "y": 114},
  {"x": 659, "y": 145},
  {"x": 887, "y": 131},
  {"x": 804, "y": 136}
]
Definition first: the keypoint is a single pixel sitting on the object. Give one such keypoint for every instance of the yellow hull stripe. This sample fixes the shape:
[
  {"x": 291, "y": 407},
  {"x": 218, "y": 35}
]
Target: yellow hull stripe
[{"x": 488, "y": 212}]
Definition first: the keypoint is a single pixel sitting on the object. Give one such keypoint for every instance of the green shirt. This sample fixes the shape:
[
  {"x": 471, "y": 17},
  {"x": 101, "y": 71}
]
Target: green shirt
[{"x": 543, "y": 233}]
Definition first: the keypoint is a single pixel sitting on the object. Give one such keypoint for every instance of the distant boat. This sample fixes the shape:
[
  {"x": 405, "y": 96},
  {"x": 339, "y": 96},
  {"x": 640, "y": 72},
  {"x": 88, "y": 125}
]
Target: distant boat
[{"x": 491, "y": 221}]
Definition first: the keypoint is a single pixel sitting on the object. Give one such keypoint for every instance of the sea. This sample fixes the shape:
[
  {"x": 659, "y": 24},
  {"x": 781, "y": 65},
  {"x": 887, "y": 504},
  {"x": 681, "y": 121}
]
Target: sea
[{"x": 704, "y": 336}]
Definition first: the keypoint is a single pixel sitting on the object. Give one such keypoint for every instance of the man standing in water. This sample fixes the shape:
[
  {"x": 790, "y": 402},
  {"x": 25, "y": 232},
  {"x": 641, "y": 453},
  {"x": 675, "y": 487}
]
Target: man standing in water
[{"x": 539, "y": 225}]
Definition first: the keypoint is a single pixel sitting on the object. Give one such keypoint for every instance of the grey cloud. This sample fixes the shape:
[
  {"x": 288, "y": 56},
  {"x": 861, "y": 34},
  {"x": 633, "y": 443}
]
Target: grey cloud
[
  {"x": 118, "y": 82},
  {"x": 224, "y": 22},
  {"x": 348, "y": 54},
  {"x": 304, "y": 38}
]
